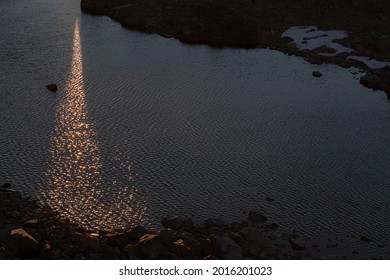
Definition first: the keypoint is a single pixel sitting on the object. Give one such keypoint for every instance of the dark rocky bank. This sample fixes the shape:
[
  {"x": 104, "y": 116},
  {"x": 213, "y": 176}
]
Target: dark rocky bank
[
  {"x": 29, "y": 230},
  {"x": 260, "y": 23}
]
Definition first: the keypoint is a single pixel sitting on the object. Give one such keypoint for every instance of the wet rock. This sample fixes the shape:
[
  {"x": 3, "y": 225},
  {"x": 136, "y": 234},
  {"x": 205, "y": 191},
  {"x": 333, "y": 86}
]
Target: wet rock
[
  {"x": 228, "y": 249},
  {"x": 33, "y": 223},
  {"x": 207, "y": 246},
  {"x": 234, "y": 236},
  {"x": 116, "y": 240},
  {"x": 46, "y": 246},
  {"x": 298, "y": 243},
  {"x": 181, "y": 249},
  {"x": 150, "y": 247},
  {"x": 173, "y": 222},
  {"x": 22, "y": 244},
  {"x": 88, "y": 243},
  {"x": 52, "y": 87},
  {"x": 317, "y": 74},
  {"x": 235, "y": 227},
  {"x": 254, "y": 216},
  {"x": 269, "y": 199},
  {"x": 376, "y": 81},
  {"x": 136, "y": 232},
  {"x": 188, "y": 224},
  {"x": 214, "y": 223}
]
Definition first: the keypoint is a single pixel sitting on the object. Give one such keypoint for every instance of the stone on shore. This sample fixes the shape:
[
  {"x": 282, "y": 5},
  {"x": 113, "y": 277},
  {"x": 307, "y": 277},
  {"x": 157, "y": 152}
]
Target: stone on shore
[
  {"x": 136, "y": 232},
  {"x": 173, "y": 222},
  {"x": 22, "y": 243}
]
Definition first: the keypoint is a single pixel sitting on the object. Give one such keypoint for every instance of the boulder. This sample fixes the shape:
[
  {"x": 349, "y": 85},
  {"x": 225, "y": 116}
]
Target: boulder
[
  {"x": 136, "y": 232},
  {"x": 151, "y": 247},
  {"x": 227, "y": 249},
  {"x": 22, "y": 244},
  {"x": 173, "y": 222}
]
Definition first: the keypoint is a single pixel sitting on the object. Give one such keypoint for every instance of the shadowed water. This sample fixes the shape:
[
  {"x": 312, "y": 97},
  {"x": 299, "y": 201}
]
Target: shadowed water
[{"x": 143, "y": 126}]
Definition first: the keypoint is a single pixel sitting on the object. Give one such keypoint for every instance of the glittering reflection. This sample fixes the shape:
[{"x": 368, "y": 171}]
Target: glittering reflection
[{"x": 74, "y": 186}]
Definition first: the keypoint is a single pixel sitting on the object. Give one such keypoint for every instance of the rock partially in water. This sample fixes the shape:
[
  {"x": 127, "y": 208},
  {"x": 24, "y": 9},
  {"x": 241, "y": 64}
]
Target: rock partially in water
[
  {"x": 228, "y": 249},
  {"x": 298, "y": 243},
  {"x": 52, "y": 87},
  {"x": 173, "y": 222},
  {"x": 22, "y": 243},
  {"x": 136, "y": 232},
  {"x": 377, "y": 81}
]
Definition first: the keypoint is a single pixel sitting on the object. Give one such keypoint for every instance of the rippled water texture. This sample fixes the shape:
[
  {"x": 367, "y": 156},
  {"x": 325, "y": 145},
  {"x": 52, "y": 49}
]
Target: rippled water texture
[{"x": 143, "y": 126}]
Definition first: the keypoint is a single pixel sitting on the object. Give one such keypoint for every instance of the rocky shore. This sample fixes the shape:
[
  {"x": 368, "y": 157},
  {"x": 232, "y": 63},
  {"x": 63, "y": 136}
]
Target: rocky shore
[
  {"x": 29, "y": 230},
  {"x": 261, "y": 23}
]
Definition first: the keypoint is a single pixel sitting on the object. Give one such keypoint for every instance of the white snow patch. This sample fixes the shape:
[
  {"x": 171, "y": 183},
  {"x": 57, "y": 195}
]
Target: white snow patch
[
  {"x": 372, "y": 63},
  {"x": 310, "y": 38}
]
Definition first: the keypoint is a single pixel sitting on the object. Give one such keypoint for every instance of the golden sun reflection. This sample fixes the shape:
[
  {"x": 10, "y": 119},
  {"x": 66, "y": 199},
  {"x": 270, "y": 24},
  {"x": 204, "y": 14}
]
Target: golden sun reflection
[{"x": 74, "y": 181}]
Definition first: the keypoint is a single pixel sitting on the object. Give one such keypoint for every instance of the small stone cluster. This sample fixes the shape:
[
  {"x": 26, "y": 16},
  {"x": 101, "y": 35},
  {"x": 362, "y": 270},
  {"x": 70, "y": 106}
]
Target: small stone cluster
[{"x": 31, "y": 231}]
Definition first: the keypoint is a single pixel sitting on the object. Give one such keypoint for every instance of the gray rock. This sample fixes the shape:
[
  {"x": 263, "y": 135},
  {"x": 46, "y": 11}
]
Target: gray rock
[
  {"x": 173, "y": 222},
  {"x": 254, "y": 216},
  {"x": 22, "y": 244}
]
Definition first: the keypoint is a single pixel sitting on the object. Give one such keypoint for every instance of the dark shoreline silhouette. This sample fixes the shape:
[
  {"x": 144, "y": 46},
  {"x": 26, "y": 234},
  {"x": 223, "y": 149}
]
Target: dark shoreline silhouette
[
  {"x": 29, "y": 230},
  {"x": 260, "y": 23}
]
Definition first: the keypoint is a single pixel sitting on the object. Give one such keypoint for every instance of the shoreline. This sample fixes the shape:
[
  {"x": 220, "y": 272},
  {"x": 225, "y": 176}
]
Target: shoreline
[
  {"x": 260, "y": 24},
  {"x": 29, "y": 230}
]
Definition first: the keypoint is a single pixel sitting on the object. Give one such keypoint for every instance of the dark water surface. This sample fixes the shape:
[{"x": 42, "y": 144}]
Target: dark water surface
[{"x": 143, "y": 126}]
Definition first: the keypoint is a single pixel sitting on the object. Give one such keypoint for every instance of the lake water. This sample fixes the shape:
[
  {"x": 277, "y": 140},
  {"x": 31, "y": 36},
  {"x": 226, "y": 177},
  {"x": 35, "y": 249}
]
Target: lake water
[{"x": 143, "y": 127}]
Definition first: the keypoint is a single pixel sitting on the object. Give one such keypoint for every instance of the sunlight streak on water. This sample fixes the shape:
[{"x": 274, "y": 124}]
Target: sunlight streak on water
[{"x": 74, "y": 178}]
